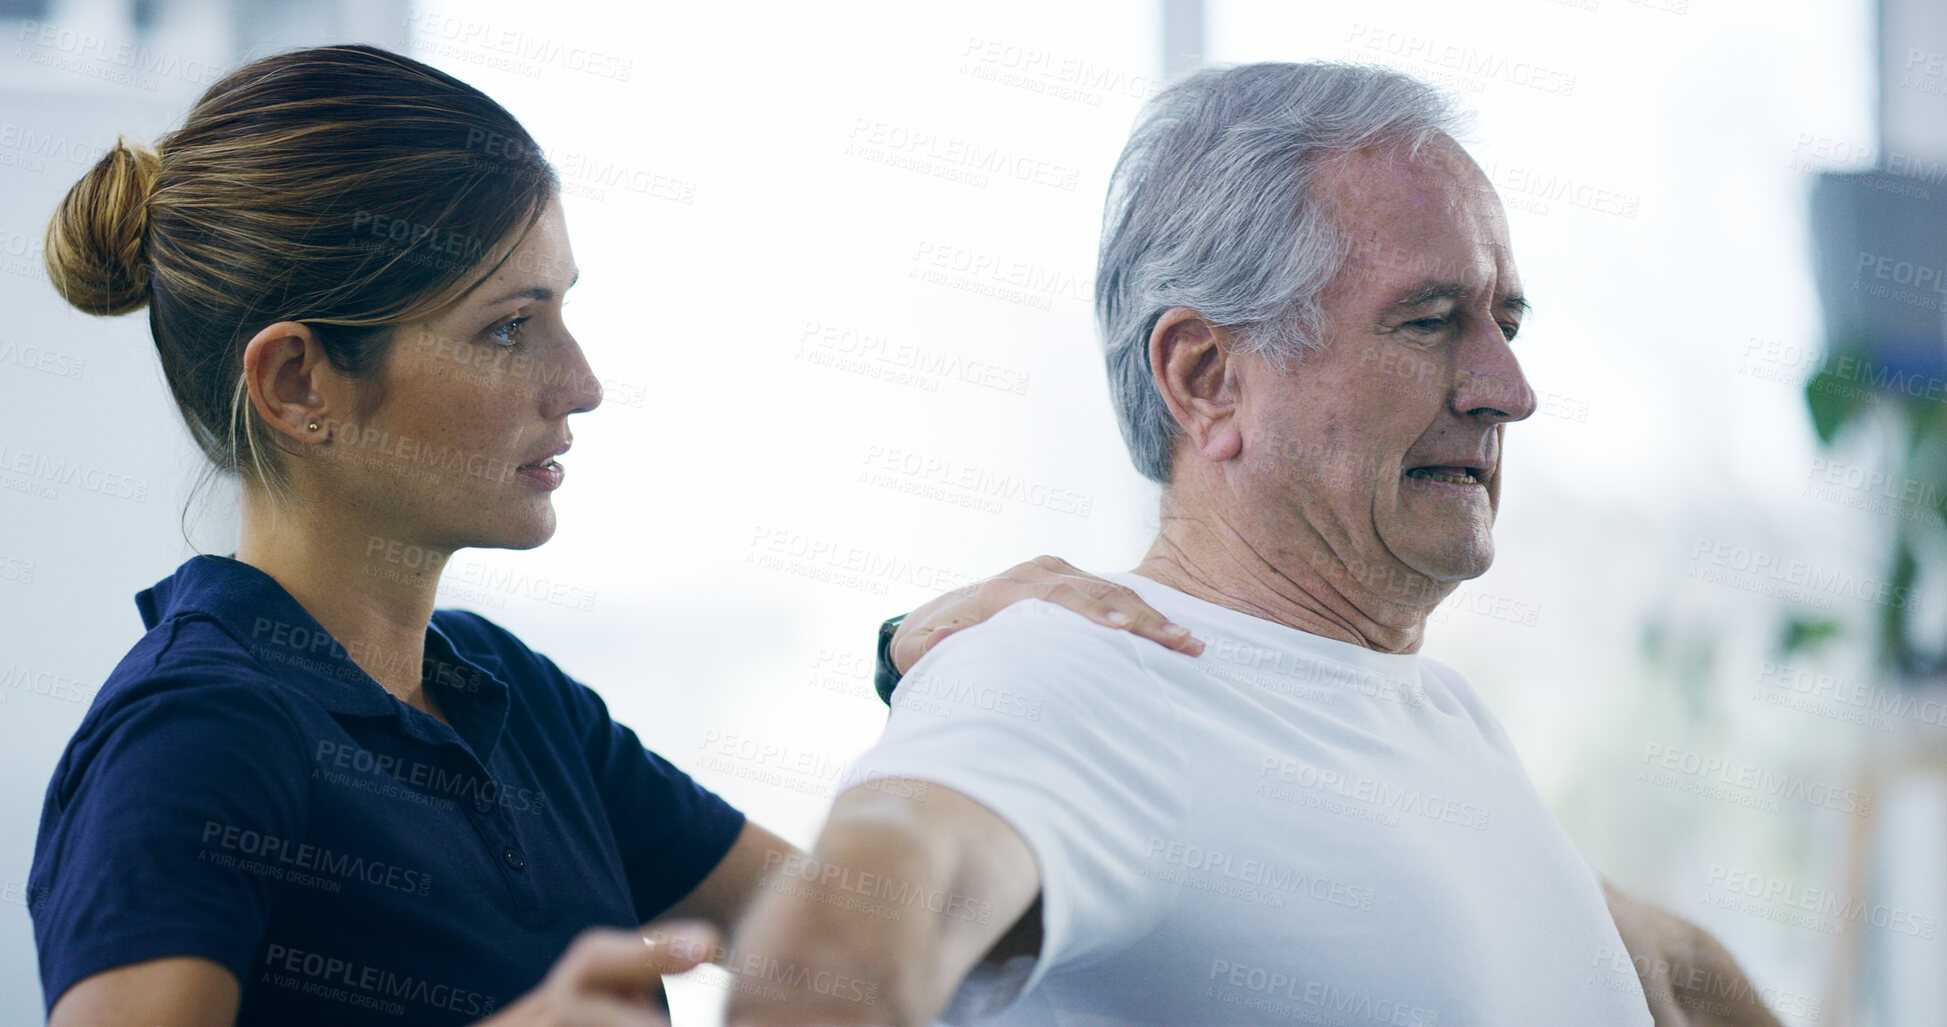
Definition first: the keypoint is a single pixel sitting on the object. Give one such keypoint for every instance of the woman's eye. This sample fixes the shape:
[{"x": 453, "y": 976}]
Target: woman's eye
[{"x": 507, "y": 331}]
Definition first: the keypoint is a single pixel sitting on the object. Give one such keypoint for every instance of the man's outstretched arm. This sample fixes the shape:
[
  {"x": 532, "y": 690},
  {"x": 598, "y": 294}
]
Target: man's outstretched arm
[
  {"x": 909, "y": 886},
  {"x": 1688, "y": 976}
]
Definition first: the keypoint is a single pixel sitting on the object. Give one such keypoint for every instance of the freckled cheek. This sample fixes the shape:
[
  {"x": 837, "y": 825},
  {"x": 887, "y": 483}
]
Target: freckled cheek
[{"x": 475, "y": 435}]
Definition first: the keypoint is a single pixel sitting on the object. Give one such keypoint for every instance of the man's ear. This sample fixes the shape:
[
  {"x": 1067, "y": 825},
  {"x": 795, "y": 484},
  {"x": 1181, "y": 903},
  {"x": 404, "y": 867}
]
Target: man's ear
[
  {"x": 291, "y": 382},
  {"x": 1190, "y": 359}
]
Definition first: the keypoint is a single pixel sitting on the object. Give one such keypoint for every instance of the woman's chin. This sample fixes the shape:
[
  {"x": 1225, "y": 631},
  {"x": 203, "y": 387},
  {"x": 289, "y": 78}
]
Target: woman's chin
[
  {"x": 531, "y": 540},
  {"x": 523, "y": 532}
]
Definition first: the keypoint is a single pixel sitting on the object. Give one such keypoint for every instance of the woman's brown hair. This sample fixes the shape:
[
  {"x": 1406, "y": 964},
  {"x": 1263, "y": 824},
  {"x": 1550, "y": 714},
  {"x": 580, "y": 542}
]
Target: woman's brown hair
[{"x": 345, "y": 187}]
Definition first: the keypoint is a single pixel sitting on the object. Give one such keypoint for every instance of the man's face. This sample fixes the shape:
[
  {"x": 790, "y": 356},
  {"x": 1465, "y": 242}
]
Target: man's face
[{"x": 1385, "y": 446}]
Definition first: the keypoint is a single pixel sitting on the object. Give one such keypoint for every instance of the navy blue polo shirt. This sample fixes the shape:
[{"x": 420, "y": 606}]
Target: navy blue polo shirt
[{"x": 240, "y": 790}]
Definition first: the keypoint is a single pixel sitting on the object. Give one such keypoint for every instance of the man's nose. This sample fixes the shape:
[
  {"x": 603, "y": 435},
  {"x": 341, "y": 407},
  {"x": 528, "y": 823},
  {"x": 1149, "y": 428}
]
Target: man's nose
[{"x": 1492, "y": 387}]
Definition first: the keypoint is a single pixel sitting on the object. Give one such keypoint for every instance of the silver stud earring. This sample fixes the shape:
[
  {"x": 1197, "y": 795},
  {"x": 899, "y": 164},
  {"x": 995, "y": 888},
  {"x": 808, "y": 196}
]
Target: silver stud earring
[{"x": 312, "y": 426}]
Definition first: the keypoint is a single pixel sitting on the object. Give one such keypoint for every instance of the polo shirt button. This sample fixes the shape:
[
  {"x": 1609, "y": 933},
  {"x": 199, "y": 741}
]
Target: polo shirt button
[
  {"x": 513, "y": 858},
  {"x": 482, "y": 803}
]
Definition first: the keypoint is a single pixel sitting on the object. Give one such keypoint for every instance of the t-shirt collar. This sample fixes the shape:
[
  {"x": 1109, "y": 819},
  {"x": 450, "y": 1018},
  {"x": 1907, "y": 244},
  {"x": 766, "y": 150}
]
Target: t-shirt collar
[{"x": 1272, "y": 633}]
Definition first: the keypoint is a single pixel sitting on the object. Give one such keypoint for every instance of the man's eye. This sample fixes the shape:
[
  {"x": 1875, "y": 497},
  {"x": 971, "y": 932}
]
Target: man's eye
[
  {"x": 1428, "y": 324},
  {"x": 507, "y": 331},
  {"x": 1510, "y": 330}
]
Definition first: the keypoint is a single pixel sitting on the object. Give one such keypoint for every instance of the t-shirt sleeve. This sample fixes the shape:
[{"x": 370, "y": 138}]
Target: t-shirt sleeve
[
  {"x": 1052, "y": 723},
  {"x": 148, "y": 822},
  {"x": 670, "y": 830}
]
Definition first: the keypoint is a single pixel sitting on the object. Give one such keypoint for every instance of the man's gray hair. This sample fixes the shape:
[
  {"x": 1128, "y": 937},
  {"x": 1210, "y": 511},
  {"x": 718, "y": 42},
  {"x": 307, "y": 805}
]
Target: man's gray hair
[{"x": 1210, "y": 208}]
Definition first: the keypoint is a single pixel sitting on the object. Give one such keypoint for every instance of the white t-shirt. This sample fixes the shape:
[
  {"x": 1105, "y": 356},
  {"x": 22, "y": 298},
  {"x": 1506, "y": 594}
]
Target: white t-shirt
[{"x": 1286, "y": 829}]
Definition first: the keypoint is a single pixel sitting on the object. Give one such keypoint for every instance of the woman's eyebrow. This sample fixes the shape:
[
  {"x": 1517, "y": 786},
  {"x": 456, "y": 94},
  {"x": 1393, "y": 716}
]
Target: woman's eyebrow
[{"x": 535, "y": 292}]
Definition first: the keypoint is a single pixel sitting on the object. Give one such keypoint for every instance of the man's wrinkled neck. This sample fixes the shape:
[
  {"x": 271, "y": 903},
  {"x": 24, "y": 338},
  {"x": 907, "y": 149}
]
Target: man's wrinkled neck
[{"x": 1298, "y": 582}]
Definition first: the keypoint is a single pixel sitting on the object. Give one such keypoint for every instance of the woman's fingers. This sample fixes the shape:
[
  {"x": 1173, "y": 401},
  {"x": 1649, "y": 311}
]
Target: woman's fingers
[
  {"x": 626, "y": 965},
  {"x": 1112, "y": 605},
  {"x": 601, "y": 1011},
  {"x": 607, "y": 978},
  {"x": 934, "y": 637},
  {"x": 679, "y": 946},
  {"x": 1050, "y": 578}
]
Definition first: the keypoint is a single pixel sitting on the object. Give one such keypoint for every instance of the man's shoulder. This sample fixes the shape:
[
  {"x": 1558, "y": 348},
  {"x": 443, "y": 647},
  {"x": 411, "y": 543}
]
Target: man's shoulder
[
  {"x": 1439, "y": 676},
  {"x": 1030, "y": 634},
  {"x": 1445, "y": 685},
  {"x": 1033, "y": 656}
]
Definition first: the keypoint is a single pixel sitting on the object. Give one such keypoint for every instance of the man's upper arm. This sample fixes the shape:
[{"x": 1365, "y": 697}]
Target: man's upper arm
[
  {"x": 1688, "y": 976},
  {"x": 877, "y": 926},
  {"x": 984, "y": 876},
  {"x": 1050, "y": 724}
]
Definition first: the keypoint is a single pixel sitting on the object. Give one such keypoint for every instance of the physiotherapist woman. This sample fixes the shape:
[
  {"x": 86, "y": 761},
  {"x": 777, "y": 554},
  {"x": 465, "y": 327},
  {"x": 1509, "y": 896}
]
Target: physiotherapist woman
[{"x": 305, "y": 796}]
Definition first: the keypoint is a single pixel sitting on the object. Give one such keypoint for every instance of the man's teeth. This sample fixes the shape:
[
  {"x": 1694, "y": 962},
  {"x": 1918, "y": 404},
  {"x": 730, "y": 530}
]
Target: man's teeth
[{"x": 1450, "y": 475}]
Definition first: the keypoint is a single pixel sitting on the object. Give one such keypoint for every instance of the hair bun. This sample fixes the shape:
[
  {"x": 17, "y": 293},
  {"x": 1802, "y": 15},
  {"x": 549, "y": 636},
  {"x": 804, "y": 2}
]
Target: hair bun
[{"x": 96, "y": 240}]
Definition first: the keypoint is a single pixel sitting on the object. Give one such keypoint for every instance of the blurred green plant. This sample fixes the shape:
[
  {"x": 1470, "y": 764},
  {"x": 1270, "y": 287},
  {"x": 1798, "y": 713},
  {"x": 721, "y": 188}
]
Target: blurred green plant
[
  {"x": 1839, "y": 395},
  {"x": 1682, "y": 653}
]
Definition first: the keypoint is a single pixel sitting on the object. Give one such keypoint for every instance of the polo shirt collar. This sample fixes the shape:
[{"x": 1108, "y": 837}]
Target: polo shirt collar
[{"x": 277, "y": 631}]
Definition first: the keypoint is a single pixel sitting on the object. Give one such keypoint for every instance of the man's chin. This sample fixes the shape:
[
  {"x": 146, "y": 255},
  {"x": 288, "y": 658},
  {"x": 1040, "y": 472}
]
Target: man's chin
[
  {"x": 1462, "y": 556},
  {"x": 1454, "y": 570}
]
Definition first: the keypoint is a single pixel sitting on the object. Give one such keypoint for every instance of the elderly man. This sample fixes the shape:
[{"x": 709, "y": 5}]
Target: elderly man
[{"x": 1309, "y": 304}]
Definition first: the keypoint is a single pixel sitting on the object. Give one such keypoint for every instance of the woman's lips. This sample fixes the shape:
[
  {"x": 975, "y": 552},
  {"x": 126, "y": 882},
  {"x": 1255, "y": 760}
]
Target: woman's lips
[{"x": 545, "y": 475}]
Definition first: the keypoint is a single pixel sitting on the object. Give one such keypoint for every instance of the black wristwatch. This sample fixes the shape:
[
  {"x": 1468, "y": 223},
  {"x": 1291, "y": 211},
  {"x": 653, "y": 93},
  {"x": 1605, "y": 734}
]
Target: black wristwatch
[{"x": 885, "y": 677}]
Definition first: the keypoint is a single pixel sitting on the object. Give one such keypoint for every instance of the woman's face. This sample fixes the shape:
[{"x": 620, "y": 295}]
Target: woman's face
[{"x": 472, "y": 413}]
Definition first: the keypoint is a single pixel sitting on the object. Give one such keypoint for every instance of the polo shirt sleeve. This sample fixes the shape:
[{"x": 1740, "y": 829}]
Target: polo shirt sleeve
[
  {"x": 146, "y": 832},
  {"x": 1052, "y": 723},
  {"x": 671, "y": 831}
]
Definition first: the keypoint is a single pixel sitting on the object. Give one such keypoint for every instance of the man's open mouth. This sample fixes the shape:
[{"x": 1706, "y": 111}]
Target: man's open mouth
[{"x": 1450, "y": 475}]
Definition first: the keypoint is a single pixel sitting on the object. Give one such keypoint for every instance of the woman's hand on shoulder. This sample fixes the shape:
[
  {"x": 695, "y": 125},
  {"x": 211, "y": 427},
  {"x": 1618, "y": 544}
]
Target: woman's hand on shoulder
[
  {"x": 1044, "y": 577},
  {"x": 609, "y": 978}
]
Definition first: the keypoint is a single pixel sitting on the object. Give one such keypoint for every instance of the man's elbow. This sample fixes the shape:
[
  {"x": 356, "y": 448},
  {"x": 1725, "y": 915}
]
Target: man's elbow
[{"x": 882, "y": 903}]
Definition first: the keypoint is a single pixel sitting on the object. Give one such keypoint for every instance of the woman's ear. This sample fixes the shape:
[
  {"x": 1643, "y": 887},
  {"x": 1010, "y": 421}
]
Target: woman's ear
[
  {"x": 290, "y": 380},
  {"x": 1190, "y": 359}
]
